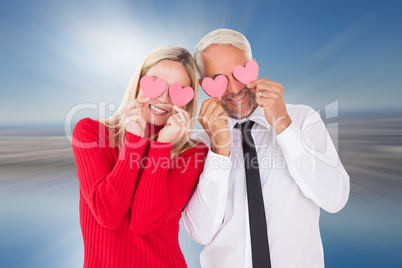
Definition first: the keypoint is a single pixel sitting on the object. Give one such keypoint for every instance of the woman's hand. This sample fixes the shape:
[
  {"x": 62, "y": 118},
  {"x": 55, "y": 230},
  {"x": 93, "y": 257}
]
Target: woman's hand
[
  {"x": 177, "y": 126},
  {"x": 131, "y": 115}
]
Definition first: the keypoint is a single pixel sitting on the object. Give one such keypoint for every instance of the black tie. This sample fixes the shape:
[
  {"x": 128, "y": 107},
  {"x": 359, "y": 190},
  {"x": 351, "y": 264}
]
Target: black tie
[{"x": 256, "y": 211}]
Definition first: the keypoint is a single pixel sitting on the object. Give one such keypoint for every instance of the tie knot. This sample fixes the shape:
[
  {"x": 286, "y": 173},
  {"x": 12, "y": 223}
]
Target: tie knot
[{"x": 245, "y": 126}]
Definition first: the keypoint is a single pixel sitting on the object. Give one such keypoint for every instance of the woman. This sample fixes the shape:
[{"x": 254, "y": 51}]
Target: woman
[{"x": 137, "y": 170}]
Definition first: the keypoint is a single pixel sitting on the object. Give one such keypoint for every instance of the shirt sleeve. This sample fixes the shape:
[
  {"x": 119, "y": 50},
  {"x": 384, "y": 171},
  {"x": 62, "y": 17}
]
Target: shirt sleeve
[
  {"x": 205, "y": 211},
  {"x": 165, "y": 186},
  {"x": 314, "y": 163},
  {"x": 107, "y": 187}
]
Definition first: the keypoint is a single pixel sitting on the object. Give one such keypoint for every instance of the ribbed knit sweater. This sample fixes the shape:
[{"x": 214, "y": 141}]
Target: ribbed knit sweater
[{"x": 131, "y": 200}]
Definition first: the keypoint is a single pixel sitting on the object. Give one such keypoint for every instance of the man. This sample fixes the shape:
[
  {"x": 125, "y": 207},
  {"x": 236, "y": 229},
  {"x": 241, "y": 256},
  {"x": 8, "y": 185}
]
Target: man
[{"x": 274, "y": 222}]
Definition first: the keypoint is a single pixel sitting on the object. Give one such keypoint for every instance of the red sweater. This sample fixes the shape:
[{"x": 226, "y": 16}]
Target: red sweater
[{"x": 131, "y": 201}]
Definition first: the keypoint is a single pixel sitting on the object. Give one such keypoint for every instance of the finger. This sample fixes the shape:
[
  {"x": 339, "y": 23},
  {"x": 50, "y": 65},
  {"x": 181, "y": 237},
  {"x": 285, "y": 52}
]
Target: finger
[
  {"x": 184, "y": 114},
  {"x": 266, "y": 95},
  {"x": 138, "y": 102},
  {"x": 221, "y": 113},
  {"x": 254, "y": 90},
  {"x": 265, "y": 102},
  {"x": 269, "y": 88},
  {"x": 263, "y": 81},
  {"x": 207, "y": 102},
  {"x": 126, "y": 107},
  {"x": 216, "y": 112},
  {"x": 176, "y": 109},
  {"x": 133, "y": 103},
  {"x": 169, "y": 121},
  {"x": 202, "y": 118},
  {"x": 270, "y": 82},
  {"x": 134, "y": 118},
  {"x": 204, "y": 121},
  {"x": 143, "y": 109},
  {"x": 136, "y": 110},
  {"x": 210, "y": 109},
  {"x": 174, "y": 121},
  {"x": 143, "y": 99},
  {"x": 142, "y": 122},
  {"x": 253, "y": 84},
  {"x": 129, "y": 113},
  {"x": 204, "y": 106},
  {"x": 180, "y": 110},
  {"x": 218, "y": 100},
  {"x": 260, "y": 102},
  {"x": 222, "y": 117},
  {"x": 182, "y": 119},
  {"x": 176, "y": 116},
  {"x": 218, "y": 115}
]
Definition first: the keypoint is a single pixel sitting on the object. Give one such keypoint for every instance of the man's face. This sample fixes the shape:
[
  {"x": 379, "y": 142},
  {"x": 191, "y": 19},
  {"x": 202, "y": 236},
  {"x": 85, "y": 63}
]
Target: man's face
[{"x": 237, "y": 100}]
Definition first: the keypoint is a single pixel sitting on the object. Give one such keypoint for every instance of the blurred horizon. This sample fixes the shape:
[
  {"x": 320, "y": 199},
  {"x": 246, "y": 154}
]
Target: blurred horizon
[{"x": 39, "y": 196}]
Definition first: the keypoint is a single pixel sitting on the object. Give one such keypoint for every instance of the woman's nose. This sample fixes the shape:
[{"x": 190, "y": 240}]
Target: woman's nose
[{"x": 164, "y": 97}]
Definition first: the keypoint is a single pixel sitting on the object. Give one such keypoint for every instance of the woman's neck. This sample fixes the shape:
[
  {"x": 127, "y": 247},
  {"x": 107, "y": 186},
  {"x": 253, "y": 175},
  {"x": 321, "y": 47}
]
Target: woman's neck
[{"x": 151, "y": 130}]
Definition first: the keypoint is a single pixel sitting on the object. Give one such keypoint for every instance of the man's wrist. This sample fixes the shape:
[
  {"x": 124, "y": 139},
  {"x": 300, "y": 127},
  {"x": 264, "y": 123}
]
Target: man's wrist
[
  {"x": 222, "y": 151},
  {"x": 283, "y": 124}
]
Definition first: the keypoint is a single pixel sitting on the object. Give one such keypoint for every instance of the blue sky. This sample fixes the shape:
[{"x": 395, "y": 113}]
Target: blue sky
[{"x": 56, "y": 55}]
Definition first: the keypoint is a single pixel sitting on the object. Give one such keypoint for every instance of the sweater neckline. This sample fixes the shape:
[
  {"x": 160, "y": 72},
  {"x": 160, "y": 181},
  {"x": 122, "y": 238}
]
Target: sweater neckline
[{"x": 151, "y": 130}]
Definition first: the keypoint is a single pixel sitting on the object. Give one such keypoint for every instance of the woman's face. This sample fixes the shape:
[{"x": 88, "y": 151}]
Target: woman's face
[{"x": 158, "y": 110}]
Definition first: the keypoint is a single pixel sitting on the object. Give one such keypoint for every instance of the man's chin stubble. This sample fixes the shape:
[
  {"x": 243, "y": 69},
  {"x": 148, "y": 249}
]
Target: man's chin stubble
[{"x": 237, "y": 115}]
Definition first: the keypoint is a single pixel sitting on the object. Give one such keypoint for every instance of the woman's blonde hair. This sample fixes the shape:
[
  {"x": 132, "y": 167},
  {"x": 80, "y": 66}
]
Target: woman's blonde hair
[{"x": 178, "y": 54}]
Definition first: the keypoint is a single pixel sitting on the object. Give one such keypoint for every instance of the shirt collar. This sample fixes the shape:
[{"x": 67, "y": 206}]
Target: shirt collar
[{"x": 257, "y": 116}]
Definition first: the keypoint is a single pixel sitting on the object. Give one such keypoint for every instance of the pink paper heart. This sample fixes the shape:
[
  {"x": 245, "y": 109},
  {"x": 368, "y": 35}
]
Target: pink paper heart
[
  {"x": 247, "y": 74},
  {"x": 152, "y": 88},
  {"x": 215, "y": 88},
  {"x": 180, "y": 96}
]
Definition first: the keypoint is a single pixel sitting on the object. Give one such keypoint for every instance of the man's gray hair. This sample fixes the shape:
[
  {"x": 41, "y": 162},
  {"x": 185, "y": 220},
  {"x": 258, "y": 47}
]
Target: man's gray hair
[{"x": 221, "y": 37}]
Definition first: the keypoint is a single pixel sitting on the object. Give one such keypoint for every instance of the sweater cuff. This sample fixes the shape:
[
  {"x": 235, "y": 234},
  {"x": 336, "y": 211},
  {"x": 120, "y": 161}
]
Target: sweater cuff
[
  {"x": 159, "y": 156},
  {"x": 133, "y": 141},
  {"x": 160, "y": 148},
  {"x": 134, "y": 147}
]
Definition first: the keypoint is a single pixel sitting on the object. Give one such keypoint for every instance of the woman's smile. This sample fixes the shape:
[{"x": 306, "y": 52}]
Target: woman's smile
[{"x": 157, "y": 110}]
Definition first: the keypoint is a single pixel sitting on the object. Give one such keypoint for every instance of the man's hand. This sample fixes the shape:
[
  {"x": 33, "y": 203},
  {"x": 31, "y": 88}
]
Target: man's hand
[
  {"x": 269, "y": 95},
  {"x": 214, "y": 119}
]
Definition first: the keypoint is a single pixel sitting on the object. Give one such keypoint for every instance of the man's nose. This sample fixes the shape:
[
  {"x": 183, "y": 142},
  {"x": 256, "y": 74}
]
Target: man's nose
[{"x": 234, "y": 86}]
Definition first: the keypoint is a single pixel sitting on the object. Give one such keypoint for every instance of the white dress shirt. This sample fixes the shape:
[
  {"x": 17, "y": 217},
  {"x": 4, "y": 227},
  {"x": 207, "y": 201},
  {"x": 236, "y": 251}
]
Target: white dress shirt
[{"x": 300, "y": 172}]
